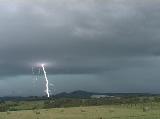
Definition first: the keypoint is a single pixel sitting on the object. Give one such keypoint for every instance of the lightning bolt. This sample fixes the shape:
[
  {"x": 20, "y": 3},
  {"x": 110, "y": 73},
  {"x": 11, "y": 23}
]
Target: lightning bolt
[{"x": 45, "y": 76}]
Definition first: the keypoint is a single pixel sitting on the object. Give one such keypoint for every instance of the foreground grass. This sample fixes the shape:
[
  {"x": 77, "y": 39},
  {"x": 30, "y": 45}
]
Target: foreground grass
[{"x": 93, "y": 112}]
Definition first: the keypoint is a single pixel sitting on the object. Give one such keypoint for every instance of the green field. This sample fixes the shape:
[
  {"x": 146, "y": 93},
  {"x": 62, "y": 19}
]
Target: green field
[{"x": 92, "y": 112}]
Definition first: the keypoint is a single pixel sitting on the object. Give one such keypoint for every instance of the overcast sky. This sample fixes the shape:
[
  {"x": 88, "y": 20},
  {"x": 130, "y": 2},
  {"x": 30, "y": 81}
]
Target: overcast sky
[{"x": 92, "y": 45}]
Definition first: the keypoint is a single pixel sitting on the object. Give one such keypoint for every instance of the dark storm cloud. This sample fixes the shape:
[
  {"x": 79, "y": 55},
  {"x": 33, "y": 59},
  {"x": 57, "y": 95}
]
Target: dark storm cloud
[
  {"x": 94, "y": 45},
  {"x": 78, "y": 36}
]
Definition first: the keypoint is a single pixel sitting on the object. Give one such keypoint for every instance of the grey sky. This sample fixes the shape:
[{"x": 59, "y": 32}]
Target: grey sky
[{"x": 94, "y": 45}]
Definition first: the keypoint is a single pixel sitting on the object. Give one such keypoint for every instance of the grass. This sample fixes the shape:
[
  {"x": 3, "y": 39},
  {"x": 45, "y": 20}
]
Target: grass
[
  {"x": 92, "y": 112},
  {"x": 26, "y": 105}
]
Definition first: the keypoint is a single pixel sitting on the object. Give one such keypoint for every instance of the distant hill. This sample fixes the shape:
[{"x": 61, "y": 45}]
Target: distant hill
[
  {"x": 77, "y": 94},
  {"x": 85, "y": 94}
]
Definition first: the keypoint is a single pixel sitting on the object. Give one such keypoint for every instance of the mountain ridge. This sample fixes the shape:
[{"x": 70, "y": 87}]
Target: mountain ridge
[{"x": 75, "y": 94}]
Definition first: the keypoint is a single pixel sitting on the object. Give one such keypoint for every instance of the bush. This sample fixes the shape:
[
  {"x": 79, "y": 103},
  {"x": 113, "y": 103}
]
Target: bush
[
  {"x": 3, "y": 108},
  {"x": 145, "y": 109},
  {"x": 12, "y": 109}
]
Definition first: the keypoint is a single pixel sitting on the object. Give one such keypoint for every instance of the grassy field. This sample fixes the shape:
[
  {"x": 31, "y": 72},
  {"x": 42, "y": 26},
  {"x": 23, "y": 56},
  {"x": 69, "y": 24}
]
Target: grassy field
[{"x": 93, "y": 112}]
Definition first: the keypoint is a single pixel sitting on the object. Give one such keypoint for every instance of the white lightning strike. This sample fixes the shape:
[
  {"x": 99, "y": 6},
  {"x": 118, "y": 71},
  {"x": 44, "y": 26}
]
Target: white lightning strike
[{"x": 45, "y": 76}]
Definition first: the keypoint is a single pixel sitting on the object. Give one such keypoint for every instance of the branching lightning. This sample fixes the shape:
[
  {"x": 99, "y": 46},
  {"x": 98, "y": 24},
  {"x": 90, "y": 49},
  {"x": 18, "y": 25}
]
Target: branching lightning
[
  {"x": 39, "y": 70},
  {"x": 45, "y": 76}
]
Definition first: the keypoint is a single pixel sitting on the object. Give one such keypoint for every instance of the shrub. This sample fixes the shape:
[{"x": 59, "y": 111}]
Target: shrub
[
  {"x": 12, "y": 109},
  {"x": 145, "y": 109}
]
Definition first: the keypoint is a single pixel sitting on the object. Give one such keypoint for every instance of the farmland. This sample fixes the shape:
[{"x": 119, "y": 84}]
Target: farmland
[
  {"x": 126, "y": 106},
  {"x": 123, "y": 111}
]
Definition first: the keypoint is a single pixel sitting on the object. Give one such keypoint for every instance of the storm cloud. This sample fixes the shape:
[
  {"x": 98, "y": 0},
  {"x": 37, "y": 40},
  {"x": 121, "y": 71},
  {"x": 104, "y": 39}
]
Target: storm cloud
[{"x": 111, "y": 41}]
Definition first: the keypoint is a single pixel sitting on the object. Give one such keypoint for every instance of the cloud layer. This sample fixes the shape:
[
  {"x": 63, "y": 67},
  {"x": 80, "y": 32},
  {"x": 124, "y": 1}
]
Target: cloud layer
[{"x": 81, "y": 37}]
